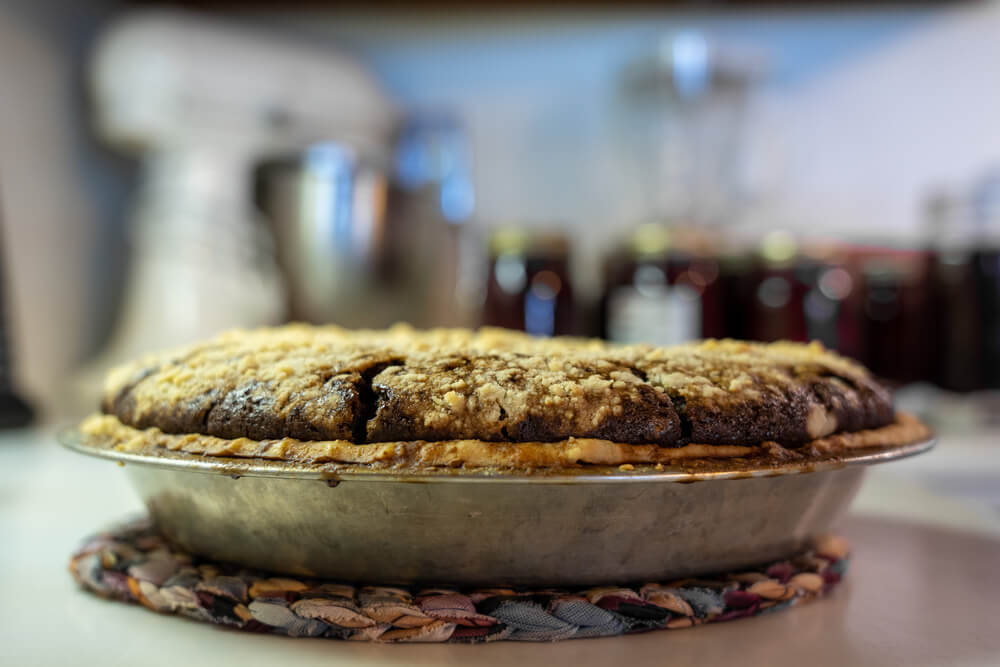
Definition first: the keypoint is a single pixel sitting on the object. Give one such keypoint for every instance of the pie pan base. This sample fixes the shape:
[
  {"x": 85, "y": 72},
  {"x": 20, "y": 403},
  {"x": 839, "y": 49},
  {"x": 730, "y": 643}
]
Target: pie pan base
[{"x": 443, "y": 527}]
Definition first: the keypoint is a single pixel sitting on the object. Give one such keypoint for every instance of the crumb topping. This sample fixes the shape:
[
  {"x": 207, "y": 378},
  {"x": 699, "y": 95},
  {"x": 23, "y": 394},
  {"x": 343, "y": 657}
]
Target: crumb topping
[
  {"x": 106, "y": 432},
  {"x": 400, "y": 384}
]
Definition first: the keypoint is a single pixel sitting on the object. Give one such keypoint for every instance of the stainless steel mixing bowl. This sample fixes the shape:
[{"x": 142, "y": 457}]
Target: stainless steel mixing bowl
[{"x": 478, "y": 529}]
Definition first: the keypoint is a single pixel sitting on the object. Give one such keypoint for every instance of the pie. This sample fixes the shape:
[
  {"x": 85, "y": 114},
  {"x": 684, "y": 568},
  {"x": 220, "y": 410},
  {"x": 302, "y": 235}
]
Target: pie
[{"x": 492, "y": 399}]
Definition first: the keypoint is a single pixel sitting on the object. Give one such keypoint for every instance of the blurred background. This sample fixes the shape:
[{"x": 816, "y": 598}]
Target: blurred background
[{"x": 642, "y": 172}]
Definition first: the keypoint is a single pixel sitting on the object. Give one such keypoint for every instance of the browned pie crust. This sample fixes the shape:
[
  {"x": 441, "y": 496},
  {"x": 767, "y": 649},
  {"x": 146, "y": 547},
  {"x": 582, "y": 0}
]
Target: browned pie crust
[
  {"x": 321, "y": 385},
  {"x": 107, "y": 432}
]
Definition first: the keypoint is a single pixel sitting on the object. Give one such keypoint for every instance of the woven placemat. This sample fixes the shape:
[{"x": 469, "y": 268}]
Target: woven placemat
[{"x": 133, "y": 563}]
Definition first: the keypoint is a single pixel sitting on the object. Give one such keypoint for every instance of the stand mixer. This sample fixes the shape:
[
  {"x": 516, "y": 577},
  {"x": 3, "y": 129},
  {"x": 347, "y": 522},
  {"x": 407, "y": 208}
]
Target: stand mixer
[{"x": 201, "y": 103}]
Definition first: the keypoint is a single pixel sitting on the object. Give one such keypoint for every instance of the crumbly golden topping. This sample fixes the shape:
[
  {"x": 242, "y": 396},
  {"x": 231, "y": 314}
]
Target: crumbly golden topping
[
  {"x": 516, "y": 397},
  {"x": 327, "y": 383},
  {"x": 105, "y": 431}
]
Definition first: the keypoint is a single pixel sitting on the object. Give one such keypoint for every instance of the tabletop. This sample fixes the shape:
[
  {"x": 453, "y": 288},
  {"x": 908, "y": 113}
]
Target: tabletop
[{"x": 923, "y": 589}]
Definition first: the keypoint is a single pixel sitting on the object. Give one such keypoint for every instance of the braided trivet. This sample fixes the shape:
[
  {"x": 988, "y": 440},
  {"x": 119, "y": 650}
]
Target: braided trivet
[{"x": 134, "y": 563}]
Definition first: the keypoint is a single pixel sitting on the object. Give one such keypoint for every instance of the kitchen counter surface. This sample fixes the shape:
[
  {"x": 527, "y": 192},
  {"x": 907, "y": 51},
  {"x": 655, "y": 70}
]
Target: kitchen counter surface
[{"x": 923, "y": 589}]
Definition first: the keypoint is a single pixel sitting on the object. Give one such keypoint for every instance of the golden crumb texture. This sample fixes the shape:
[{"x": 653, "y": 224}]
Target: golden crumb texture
[
  {"x": 106, "y": 432},
  {"x": 377, "y": 390}
]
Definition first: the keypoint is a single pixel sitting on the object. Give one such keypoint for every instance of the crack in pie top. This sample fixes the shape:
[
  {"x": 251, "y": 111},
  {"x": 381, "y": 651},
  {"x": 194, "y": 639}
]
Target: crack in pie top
[{"x": 489, "y": 397}]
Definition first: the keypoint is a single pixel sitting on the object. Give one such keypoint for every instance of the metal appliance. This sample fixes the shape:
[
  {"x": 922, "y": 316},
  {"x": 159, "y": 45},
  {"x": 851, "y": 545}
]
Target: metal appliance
[{"x": 201, "y": 103}]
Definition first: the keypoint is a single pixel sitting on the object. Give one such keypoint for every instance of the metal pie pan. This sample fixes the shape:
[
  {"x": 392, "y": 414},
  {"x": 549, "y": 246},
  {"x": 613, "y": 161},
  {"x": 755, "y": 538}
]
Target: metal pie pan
[{"x": 487, "y": 529}]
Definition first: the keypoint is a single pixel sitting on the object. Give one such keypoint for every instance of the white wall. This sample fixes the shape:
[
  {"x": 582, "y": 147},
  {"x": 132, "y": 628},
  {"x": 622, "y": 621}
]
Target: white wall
[
  {"x": 861, "y": 112},
  {"x": 865, "y": 141}
]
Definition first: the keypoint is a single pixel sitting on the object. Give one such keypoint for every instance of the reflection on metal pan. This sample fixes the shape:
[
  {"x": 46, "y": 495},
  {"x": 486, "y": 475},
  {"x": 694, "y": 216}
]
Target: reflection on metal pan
[{"x": 481, "y": 529}]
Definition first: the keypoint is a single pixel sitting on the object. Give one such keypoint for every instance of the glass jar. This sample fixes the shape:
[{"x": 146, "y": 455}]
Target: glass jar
[
  {"x": 528, "y": 287},
  {"x": 777, "y": 302},
  {"x": 659, "y": 291}
]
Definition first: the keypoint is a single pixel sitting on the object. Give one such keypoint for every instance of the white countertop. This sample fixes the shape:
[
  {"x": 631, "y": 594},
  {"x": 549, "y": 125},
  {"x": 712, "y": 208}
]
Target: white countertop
[{"x": 923, "y": 588}]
